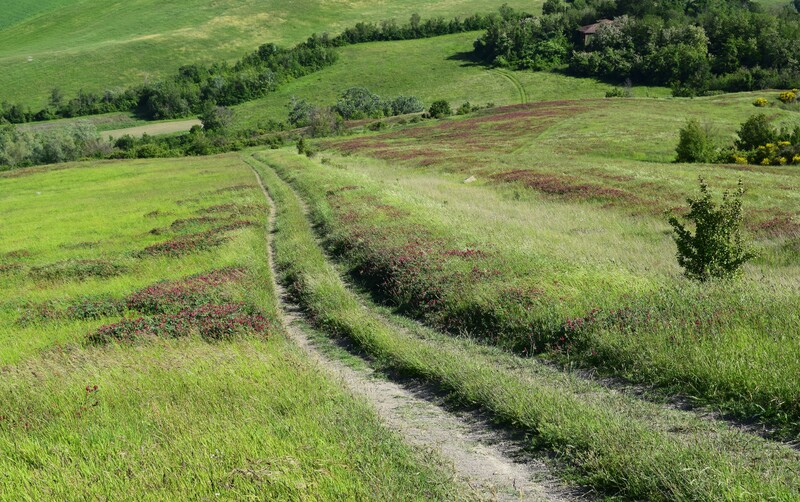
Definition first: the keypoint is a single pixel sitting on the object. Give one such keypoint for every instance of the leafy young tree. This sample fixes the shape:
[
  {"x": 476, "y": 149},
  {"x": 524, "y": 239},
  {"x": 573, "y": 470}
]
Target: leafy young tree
[
  {"x": 215, "y": 118},
  {"x": 695, "y": 144},
  {"x": 716, "y": 249},
  {"x": 756, "y": 131},
  {"x": 439, "y": 109}
]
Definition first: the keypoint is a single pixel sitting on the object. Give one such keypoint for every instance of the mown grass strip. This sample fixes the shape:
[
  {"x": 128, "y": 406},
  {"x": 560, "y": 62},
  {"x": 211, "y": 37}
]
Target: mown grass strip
[{"x": 611, "y": 450}]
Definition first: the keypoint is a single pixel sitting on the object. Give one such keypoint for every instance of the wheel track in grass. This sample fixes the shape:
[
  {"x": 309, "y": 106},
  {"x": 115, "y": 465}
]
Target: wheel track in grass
[
  {"x": 523, "y": 94},
  {"x": 482, "y": 458},
  {"x": 675, "y": 428}
]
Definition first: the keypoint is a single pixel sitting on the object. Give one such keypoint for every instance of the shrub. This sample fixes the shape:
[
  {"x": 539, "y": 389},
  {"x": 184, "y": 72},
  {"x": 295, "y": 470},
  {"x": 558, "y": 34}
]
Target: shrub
[
  {"x": 324, "y": 122},
  {"x": 755, "y": 131},
  {"x": 760, "y": 102},
  {"x": 216, "y": 117},
  {"x": 403, "y": 105},
  {"x": 359, "y": 103},
  {"x": 466, "y": 108},
  {"x": 439, "y": 109},
  {"x": 695, "y": 144},
  {"x": 716, "y": 249},
  {"x": 788, "y": 97}
]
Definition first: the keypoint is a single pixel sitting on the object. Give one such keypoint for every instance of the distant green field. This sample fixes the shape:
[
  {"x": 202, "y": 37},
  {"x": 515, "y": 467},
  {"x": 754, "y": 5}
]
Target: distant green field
[
  {"x": 96, "y": 45},
  {"x": 435, "y": 68}
]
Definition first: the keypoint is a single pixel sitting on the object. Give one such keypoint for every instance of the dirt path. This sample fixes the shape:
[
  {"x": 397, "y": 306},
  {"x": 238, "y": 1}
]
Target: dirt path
[
  {"x": 153, "y": 129},
  {"x": 480, "y": 457}
]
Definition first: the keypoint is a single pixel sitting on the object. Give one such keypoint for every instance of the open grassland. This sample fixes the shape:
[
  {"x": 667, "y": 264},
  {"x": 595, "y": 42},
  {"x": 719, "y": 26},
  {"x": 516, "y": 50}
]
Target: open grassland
[
  {"x": 143, "y": 356},
  {"x": 430, "y": 69},
  {"x": 567, "y": 255},
  {"x": 618, "y": 445},
  {"x": 105, "y": 44}
]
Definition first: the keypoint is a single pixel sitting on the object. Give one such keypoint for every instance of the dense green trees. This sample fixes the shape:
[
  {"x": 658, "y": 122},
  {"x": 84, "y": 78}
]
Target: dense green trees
[{"x": 695, "y": 46}]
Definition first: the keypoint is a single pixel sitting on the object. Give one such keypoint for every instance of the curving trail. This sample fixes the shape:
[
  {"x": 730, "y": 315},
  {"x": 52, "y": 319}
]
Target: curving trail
[
  {"x": 479, "y": 456},
  {"x": 509, "y": 75}
]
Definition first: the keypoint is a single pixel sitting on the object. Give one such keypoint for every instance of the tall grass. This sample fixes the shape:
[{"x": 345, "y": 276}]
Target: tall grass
[
  {"x": 613, "y": 450},
  {"x": 193, "y": 406},
  {"x": 580, "y": 300}
]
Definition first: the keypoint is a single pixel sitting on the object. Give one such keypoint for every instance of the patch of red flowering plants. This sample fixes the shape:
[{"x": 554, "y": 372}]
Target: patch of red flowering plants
[
  {"x": 197, "y": 305},
  {"x": 196, "y": 242},
  {"x": 194, "y": 291},
  {"x": 211, "y": 322}
]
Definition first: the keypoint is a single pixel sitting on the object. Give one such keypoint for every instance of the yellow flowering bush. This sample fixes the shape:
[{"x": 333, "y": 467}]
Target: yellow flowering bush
[
  {"x": 788, "y": 97},
  {"x": 765, "y": 161},
  {"x": 796, "y": 159},
  {"x": 760, "y": 102}
]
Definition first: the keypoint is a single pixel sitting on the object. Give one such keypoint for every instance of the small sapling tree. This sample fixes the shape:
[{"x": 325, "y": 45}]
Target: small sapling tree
[
  {"x": 695, "y": 144},
  {"x": 716, "y": 249},
  {"x": 440, "y": 109}
]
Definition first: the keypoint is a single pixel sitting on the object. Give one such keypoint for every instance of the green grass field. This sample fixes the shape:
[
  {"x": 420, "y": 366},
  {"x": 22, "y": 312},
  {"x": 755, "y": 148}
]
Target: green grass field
[
  {"x": 227, "y": 408},
  {"x": 516, "y": 260},
  {"x": 610, "y": 441},
  {"x": 568, "y": 253},
  {"x": 430, "y": 69},
  {"x": 106, "y": 45}
]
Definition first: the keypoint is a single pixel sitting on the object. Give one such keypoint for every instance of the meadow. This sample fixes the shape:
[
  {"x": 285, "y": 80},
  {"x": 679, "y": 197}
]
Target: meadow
[
  {"x": 430, "y": 69},
  {"x": 613, "y": 442},
  {"x": 512, "y": 264},
  {"x": 561, "y": 255},
  {"x": 102, "y": 45},
  {"x": 143, "y": 356}
]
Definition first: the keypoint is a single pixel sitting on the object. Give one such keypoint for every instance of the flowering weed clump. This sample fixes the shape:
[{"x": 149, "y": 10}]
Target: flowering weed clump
[
  {"x": 76, "y": 270},
  {"x": 788, "y": 97},
  {"x": 211, "y": 322},
  {"x": 196, "y": 242},
  {"x": 195, "y": 305},
  {"x": 194, "y": 291}
]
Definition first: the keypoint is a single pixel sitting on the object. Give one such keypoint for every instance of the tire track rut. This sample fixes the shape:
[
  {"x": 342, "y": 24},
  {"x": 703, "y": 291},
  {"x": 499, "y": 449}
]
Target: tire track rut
[{"x": 479, "y": 456}]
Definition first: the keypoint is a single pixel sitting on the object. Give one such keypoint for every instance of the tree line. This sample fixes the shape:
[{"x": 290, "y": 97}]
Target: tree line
[
  {"x": 194, "y": 86},
  {"x": 694, "y": 46}
]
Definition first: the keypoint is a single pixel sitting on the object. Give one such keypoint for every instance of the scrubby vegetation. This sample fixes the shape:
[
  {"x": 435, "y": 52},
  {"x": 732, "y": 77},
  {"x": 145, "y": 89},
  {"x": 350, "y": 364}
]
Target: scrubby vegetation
[{"x": 759, "y": 142}]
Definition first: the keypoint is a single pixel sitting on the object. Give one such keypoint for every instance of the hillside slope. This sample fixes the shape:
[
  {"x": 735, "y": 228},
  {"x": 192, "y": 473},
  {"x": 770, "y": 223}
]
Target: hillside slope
[{"x": 102, "y": 44}]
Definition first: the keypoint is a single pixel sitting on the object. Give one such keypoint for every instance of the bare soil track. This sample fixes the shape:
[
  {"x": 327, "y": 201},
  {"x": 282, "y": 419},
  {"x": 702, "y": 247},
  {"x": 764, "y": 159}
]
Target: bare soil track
[{"x": 479, "y": 455}]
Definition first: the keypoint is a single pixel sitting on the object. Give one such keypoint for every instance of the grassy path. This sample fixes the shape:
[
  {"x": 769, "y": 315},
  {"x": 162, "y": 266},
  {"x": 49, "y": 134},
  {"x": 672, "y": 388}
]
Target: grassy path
[
  {"x": 523, "y": 94},
  {"x": 476, "y": 453},
  {"x": 615, "y": 443}
]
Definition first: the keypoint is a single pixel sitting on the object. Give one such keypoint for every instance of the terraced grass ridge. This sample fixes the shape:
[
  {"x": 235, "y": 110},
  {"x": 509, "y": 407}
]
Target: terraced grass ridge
[{"x": 142, "y": 356}]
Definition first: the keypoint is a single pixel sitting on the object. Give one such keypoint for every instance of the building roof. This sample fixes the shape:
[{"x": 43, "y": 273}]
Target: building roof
[{"x": 591, "y": 29}]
